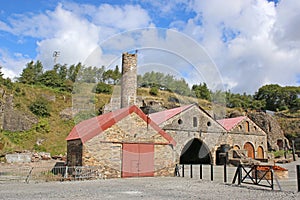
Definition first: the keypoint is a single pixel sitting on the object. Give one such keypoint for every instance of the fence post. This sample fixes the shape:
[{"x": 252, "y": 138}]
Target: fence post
[
  {"x": 239, "y": 174},
  {"x": 191, "y": 172},
  {"x": 66, "y": 172},
  {"x": 200, "y": 171},
  {"x": 298, "y": 177},
  {"x": 182, "y": 170},
  {"x": 211, "y": 172},
  {"x": 225, "y": 173},
  {"x": 293, "y": 150},
  {"x": 272, "y": 179}
]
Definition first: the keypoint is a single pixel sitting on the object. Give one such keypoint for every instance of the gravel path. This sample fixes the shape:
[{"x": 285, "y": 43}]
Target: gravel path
[{"x": 138, "y": 188}]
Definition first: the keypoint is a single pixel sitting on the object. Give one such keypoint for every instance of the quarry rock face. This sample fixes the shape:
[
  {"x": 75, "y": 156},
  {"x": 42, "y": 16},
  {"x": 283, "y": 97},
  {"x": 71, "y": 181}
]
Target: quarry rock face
[
  {"x": 12, "y": 119},
  {"x": 276, "y": 138}
]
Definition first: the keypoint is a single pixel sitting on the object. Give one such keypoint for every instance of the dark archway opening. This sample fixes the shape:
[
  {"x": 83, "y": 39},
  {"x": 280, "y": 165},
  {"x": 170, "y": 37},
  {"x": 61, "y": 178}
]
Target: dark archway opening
[{"x": 195, "y": 152}]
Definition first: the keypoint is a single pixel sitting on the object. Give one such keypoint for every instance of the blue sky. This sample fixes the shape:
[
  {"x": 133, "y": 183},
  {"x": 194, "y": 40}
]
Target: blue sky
[{"x": 246, "y": 43}]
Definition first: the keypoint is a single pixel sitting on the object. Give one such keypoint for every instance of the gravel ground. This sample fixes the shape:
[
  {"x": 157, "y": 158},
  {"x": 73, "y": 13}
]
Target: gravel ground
[{"x": 138, "y": 188}]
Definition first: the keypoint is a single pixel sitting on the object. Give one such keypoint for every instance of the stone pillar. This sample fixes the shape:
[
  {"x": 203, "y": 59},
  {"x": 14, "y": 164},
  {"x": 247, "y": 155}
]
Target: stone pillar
[{"x": 129, "y": 79}]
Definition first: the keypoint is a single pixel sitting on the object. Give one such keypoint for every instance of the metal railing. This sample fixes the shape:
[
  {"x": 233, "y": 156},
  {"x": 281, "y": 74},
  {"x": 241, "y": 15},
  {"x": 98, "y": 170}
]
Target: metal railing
[{"x": 57, "y": 173}]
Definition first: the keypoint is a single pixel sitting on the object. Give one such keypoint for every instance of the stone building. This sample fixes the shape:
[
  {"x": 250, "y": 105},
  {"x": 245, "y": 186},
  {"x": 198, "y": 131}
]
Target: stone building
[
  {"x": 243, "y": 133},
  {"x": 123, "y": 143}
]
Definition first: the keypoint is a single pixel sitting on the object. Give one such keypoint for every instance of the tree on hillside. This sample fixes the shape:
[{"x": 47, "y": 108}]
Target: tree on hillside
[
  {"x": 112, "y": 76},
  {"x": 73, "y": 72},
  {"x": 31, "y": 73},
  {"x": 1, "y": 76},
  {"x": 51, "y": 79},
  {"x": 277, "y": 97},
  {"x": 201, "y": 91}
]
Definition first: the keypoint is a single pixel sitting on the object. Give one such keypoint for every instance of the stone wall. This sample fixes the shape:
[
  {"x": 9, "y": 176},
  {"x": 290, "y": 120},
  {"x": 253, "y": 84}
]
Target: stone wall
[
  {"x": 129, "y": 79},
  {"x": 194, "y": 123},
  {"x": 213, "y": 135},
  {"x": 241, "y": 134},
  {"x": 270, "y": 126},
  {"x": 105, "y": 150},
  {"x": 74, "y": 153},
  {"x": 15, "y": 120}
]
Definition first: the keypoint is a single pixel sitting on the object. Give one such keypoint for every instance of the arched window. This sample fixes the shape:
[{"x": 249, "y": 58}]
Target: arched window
[
  {"x": 195, "y": 122},
  {"x": 247, "y": 126}
]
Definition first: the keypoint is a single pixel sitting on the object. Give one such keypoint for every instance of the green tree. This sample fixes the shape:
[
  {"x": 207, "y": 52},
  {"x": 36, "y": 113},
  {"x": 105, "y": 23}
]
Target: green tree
[
  {"x": 201, "y": 91},
  {"x": 73, "y": 72},
  {"x": 103, "y": 88},
  {"x": 1, "y": 76},
  {"x": 51, "y": 79},
  {"x": 277, "y": 97},
  {"x": 31, "y": 73}
]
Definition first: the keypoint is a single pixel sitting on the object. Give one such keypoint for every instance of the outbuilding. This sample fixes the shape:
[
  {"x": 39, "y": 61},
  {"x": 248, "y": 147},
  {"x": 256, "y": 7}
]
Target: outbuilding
[{"x": 123, "y": 143}]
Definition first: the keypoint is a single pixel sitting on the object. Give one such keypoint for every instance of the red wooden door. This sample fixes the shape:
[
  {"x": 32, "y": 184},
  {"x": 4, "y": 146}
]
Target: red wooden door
[{"x": 138, "y": 160}]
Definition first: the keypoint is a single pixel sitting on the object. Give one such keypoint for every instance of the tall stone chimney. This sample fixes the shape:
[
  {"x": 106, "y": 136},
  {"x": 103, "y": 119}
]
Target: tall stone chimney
[{"x": 129, "y": 79}]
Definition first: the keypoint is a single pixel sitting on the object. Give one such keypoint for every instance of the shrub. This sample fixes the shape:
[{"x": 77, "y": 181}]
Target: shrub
[
  {"x": 154, "y": 91},
  {"x": 103, "y": 88},
  {"x": 40, "y": 108}
]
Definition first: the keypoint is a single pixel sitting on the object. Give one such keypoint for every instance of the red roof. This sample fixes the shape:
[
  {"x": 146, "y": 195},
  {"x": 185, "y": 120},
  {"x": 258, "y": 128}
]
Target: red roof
[
  {"x": 230, "y": 123},
  {"x": 90, "y": 128},
  {"x": 163, "y": 116}
]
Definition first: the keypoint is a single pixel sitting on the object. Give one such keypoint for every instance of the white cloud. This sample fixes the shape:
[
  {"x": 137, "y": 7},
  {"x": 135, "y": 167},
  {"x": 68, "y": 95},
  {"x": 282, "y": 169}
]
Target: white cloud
[
  {"x": 251, "y": 41},
  {"x": 12, "y": 65},
  {"x": 74, "y": 32},
  {"x": 250, "y": 56}
]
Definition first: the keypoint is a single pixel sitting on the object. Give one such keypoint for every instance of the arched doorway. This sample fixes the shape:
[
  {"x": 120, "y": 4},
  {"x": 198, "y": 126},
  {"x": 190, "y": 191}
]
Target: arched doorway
[
  {"x": 195, "y": 152},
  {"x": 236, "y": 147},
  {"x": 260, "y": 153},
  {"x": 249, "y": 147}
]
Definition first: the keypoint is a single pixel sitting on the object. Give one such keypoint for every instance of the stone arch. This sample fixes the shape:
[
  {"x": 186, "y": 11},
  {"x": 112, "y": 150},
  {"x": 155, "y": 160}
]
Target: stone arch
[
  {"x": 260, "y": 152},
  {"x": 195, "y": 152},
  {"x": 250, "y": 148}
]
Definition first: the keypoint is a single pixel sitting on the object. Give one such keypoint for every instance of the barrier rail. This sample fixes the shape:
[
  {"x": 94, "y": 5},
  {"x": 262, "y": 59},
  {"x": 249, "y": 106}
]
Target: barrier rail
[{"x": 58, "y": 173}]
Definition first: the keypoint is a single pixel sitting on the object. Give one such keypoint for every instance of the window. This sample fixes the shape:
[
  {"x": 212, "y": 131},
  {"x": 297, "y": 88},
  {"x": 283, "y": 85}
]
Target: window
[
  {"x": 247, "y": 127},
  {"x": 208, "y": 123},
  {"x": 240, "y": 127},
  {"x": 180, "y": 121},
  {"x": 195, "y": 122}
]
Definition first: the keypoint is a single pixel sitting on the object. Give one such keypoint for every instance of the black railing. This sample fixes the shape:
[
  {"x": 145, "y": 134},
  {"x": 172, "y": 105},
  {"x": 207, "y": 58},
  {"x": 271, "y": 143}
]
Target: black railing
[{"x": 192, "y": 171}]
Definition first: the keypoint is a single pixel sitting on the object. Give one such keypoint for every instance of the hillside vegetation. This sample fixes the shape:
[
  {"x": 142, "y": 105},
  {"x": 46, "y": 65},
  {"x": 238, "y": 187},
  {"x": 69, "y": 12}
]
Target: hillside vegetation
[{"x": 48, "y": 96}]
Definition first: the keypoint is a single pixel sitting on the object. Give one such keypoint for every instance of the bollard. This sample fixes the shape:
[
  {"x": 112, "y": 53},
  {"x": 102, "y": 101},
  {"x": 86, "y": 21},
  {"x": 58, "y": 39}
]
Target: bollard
[
  {"x": 200, "y": 171},
  {"x": 298, "y": 177},
  {"x": 211, "y": 172},
  {"x": 225, "y": 173}
]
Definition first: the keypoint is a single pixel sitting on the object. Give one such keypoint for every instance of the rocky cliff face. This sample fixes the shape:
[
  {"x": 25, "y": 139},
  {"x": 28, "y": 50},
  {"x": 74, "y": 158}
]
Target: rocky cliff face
[
  {"x": 11, "y": 119},
  {"x": 276, "y": 138}
]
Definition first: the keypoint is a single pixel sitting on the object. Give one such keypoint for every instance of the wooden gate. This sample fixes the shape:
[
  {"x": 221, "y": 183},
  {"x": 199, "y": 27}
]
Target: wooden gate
[
  {"x": 249, "y": 147},
  {"x": 138, "y": 160}
]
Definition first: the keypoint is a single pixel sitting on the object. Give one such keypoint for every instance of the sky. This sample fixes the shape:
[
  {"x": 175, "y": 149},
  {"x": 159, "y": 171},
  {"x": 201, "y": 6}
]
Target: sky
[{"x": 236, "y": 45}]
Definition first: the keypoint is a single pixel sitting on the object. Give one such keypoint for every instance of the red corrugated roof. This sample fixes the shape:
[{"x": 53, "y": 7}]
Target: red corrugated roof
[
  {"x": 90, "y": 128},
  {"x": 163, "y": 116},
  {"x": 230, "y": 123}
]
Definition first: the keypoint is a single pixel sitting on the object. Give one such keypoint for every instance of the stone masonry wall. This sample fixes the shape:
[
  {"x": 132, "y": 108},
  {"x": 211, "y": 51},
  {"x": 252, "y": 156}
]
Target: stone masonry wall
[
  {"x": 105, "y": 150},
  {"x": 182, "y": 129},
  {"x": 255, "y": 135}
]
